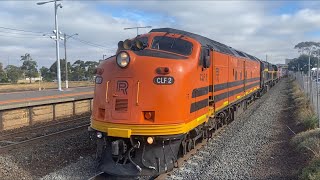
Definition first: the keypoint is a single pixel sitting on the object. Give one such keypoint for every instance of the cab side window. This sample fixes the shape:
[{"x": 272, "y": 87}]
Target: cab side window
[{"x": 203, "y": 54}]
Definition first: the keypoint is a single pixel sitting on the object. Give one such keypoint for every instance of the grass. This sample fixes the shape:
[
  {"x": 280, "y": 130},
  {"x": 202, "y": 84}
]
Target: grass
[
  {"x": 311, "y": 172},
  {"x": 307, "y": 141},
  {"x": 304, "y": 113},
  {"x": 43, "y": 85}
]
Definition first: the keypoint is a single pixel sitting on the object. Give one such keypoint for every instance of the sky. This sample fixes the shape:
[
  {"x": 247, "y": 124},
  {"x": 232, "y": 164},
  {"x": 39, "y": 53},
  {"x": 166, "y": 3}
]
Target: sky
[{"x": 261, "y": 28}]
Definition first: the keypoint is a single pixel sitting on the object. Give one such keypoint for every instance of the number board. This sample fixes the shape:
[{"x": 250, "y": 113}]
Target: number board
[{"x": 163, "y": 80}]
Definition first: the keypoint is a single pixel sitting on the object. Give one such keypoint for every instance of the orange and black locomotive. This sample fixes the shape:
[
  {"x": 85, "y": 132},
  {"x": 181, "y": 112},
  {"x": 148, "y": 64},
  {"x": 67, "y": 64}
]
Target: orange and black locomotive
[{"x": 165, "y": 90}]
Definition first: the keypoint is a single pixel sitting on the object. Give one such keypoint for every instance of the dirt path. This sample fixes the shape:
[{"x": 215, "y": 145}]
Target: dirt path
[{"x": 279, "y": 159}]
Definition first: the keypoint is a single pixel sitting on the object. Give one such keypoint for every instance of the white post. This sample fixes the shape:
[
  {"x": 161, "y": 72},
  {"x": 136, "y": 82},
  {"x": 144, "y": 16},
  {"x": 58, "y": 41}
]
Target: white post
[
  {"x": 57, "y": 45},
  {"x": 65, "y": 58},
  {"x": 318, "y": 88}
]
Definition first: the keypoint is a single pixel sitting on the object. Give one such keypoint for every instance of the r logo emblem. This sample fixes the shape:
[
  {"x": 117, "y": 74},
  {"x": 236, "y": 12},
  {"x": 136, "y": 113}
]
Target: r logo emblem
[{"x": 122, "y": 86}]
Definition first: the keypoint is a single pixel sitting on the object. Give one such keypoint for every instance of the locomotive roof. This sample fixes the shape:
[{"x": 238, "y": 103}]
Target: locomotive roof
[{"x": 204, "y": 41}]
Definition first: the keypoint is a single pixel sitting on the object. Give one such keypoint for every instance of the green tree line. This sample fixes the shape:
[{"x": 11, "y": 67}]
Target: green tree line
[
  {"x": 78, "y": 71},
  {"x": 308, "y": 49}
]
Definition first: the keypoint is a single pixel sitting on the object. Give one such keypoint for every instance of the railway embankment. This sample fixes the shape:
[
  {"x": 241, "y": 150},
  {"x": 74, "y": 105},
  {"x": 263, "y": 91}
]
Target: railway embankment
[
  {"x": 257, "y": 145},
  {"x": 307, "y": 136},
  {"x": 254, "y": 146}
]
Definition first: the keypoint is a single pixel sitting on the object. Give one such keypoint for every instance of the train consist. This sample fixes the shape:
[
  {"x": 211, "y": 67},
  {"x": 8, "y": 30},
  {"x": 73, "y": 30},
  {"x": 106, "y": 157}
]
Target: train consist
[{"x": 163, "y": 92}]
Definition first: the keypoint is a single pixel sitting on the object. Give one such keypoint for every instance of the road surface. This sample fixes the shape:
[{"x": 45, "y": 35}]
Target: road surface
[{"x": 46, "y": 96}]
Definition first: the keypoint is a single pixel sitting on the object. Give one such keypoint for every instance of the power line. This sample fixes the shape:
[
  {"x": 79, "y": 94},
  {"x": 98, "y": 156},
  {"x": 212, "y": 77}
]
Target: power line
[
  {"x": 90, "y": 43},
  {"x": 21, "y": 30},
  {"x": 12, "y": 36},
  {"x": 87, "y": 42},
  {"x": 19, "y": 33}
]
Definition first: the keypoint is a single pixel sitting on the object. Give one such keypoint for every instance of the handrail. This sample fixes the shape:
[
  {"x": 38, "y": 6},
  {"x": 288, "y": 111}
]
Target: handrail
[
  {"x": 138, "y": 91},
  {"x": 107, "y": 89}
]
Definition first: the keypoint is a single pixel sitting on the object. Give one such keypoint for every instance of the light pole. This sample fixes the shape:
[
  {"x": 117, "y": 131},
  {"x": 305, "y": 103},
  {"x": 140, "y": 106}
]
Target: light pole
[
  {"x": 65, "y": 55},
  {"x": 56, "y": 31},
  {"x": 137, "y": 28}
]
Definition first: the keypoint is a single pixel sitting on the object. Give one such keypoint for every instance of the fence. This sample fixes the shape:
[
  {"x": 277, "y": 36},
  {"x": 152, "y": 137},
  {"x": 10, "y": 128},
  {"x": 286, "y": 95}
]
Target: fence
[
  {"x": 311, "y": 88},
  {"x": 31, "y": 113}
]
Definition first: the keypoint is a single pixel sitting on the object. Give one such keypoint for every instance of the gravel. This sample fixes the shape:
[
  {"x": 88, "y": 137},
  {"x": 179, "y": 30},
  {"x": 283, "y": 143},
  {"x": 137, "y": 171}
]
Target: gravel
[
  {"x": 39, "y": 160},
  {"x": 84, "y": 168},
  {"x": 11, "y": 170},
  {"x": 248, "y": 148},
  {"x": 254, "y": 146}
]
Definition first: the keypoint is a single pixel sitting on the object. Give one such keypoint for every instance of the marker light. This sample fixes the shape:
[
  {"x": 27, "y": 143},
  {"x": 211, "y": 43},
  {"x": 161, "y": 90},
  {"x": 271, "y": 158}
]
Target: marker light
[
  {"x": 150, "y": 140},
  {"x": 98, "y": 80},
  {"x": 123, "y": 59},
  {"x": 99, "y": 135},
  {"x": 147, "y": 115}
]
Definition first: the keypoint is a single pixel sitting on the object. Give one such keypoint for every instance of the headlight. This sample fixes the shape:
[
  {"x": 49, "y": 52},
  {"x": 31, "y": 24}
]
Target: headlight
[
  {"x": 98, "y": 80},
  {"x": 123, "y": 59}
]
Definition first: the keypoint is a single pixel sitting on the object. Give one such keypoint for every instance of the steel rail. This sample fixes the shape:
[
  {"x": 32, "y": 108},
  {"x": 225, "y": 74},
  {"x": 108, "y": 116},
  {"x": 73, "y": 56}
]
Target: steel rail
[
  {"x": 20, "y": 144},
  {"x": 201, "y": 144}
]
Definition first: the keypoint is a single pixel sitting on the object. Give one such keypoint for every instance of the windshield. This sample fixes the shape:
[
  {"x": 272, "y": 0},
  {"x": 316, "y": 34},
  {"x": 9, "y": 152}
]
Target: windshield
[
  {"x": 170, "y": 44},
  {"x": 143, "y": 39}
]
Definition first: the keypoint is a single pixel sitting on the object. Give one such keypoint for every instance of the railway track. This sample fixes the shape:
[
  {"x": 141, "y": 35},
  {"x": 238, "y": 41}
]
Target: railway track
[
  {"x": 184, "y": 159},
  {"x": 105, "y": 176},
  {"x": 16, "y": 140},
  {"x": 181, "y": 161}
]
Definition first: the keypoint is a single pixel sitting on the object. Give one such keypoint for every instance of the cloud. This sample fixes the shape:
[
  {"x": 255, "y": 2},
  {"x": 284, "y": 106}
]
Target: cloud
[{"x": 257, "y": 27}]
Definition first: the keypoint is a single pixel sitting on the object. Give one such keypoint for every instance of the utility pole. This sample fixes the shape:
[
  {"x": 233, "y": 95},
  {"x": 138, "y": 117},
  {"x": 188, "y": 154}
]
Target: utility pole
[
  {"x": 56, "y": 31},
  {"x": 65, "y": 56},
  {"x": 137, "y": 28},
  {"x": 266, "y": 57},
  {"x": 57, "y": 45}
]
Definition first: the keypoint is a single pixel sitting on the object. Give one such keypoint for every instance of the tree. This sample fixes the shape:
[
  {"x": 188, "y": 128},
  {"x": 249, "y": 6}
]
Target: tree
[
  {"x": 3, "y": 76},
  {"x": 308, "y": 46},
  {"x": 90, "y": 66},
  {"x": 302, "y": 63},
  {"x": 29, "y": 66},
  {"x": 46, "y": 74},
  {"x": 13, "y": 73},
  {"x": 78, "y": 71},
  {"x": 53, "y": 68}
]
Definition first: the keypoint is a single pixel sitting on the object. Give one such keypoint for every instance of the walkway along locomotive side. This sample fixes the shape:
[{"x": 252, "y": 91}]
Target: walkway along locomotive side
[{"x": 162, "y": 92}]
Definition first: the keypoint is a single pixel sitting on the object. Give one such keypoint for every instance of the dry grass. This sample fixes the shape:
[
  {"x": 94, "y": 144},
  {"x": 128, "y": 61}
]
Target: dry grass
[
  {"x": 43, "y": 85},
  {"x": 309, "y": 140},
  {"x": 304, "y": 114}
]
